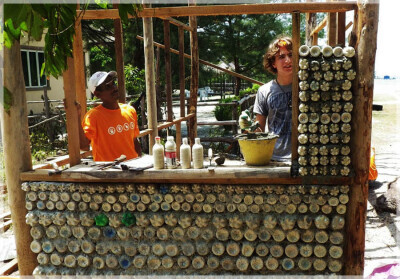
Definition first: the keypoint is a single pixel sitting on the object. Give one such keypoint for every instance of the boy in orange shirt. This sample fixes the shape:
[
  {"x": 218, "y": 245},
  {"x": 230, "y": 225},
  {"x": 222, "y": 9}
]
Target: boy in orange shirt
[{"x": 111, "y": 127}]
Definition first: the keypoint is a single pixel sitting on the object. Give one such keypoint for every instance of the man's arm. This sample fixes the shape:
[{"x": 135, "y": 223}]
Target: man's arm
[
  {"x": 262, "y": 120},
  {"x": 138, "y": 147}
]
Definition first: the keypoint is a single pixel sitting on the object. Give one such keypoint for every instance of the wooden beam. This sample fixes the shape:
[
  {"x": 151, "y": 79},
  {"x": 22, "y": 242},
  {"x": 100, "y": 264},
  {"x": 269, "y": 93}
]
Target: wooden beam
[
  {"x": 5, "y": 226},
  {"x": 319, "y": 27},
  {"x": 168, "y": 77},
  {"x": 295, "y": 82},
  {"x": 119, "y": 55},
  {"x": 182, "y": 70},
  {"x": 17, "y": 153},
  {"x": 150, "y": 81},
  {"x": 204, "y": 62},
  {"x": 178, "y": 23},
  {"x": 60, "y": 161},
  {"x": 215, "y": 10},
  {"x": 9, "y": 267},
  {"x": 361, "y": 136}
]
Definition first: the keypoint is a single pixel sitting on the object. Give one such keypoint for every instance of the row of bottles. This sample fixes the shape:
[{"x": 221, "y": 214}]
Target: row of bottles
[{"x": 168, "y": 155}]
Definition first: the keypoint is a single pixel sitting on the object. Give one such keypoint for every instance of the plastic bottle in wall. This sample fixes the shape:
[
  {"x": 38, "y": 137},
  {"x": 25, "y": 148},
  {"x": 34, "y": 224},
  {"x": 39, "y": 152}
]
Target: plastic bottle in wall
[
  {"x": 185, "y": 154},
  {"x": 158, "y": 154},
  {"x": 197, "y": 154},
  {"x": 170, "y": 152}
]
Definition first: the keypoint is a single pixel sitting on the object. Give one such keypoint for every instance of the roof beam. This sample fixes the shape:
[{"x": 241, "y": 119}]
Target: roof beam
[{"x": 214, "y": 10}]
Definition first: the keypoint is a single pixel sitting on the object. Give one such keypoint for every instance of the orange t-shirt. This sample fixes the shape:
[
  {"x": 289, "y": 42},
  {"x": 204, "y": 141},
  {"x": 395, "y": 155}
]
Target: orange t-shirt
[{"x": 111, "y": 132}]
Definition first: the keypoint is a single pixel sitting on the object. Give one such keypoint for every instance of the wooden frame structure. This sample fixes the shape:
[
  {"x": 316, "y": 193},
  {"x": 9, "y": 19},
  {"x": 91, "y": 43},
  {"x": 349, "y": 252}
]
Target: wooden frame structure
[{"x": 363, "y": 38}]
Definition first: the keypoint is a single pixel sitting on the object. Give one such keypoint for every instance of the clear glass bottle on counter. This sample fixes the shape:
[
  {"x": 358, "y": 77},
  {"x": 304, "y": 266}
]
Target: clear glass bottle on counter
[
  {"x": 158, "y": 154},
  {"x": 197, "y": 154},
  {"x": 185, "y": 154},
  {"x": 170, "y": 152}
]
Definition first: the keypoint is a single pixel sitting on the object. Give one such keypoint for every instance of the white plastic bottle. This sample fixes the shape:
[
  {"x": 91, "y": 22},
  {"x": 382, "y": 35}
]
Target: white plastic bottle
[
  {"x": 197, "y": 154},
  {"x": 170, "y": 152},
  {"x": 158, "y": 154},
  {"x": 185, "y": 154}
]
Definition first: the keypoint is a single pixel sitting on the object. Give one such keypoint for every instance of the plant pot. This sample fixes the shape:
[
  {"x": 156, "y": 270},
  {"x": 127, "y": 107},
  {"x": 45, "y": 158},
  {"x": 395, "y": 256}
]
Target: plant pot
[{"x": 257, "y": 150}]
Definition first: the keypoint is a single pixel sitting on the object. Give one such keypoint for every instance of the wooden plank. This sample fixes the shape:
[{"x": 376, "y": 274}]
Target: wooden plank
[
  {"x": 231, "y": 172},
  {"x": 295, "y": 82},
  {"x": 60, "y": 161},
  {"x": 166, "y": 124},
  {"x": 4, "y": 216},
  {"x": 204, "y": 62},
  {"x": 182, "y": 70},
  {"x": 168, "y": 77},
  {"x": 17, "y": 153},
  {"x": 215, "y": 10},
  {"x": 150, "y": 81},
  {"x": 9, "y": 267},
  {"x": 361, "y": 136},
  {"x": 194, "y": 79},
  {"x": 119, "y": 57},
  {"x": 341, "y": 29}
]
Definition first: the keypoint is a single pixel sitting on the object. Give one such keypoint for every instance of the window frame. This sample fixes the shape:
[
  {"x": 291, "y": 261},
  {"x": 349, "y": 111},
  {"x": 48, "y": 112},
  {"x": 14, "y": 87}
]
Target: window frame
[{"x": 36, "y": 51}]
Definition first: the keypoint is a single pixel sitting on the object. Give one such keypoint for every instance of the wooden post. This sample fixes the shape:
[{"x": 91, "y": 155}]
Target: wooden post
[
  {"x": 182, "y": 96},
  {"x": 194, "y": 81},
  {"x": 341, "y": 29},
  {"x": 71, "y": 111},
  {"x": 79, "y": 77},
  {"x": 311, "y": 23},
  {"x": 150, "y": 80},
  {"x": 361, "y": 136},
  {"x": 158, "y": 85},
  {"x": 119, "y": 54},
  {"x": 168, "y": 79},
  {"x": 17, "y": 154},
  {"x": 332, "y": 29},
  {"x": 295, "y": 82}
]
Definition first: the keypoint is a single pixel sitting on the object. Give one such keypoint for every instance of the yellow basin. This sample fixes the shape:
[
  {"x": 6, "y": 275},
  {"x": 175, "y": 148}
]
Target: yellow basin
[{"x": 257, "y": 152}]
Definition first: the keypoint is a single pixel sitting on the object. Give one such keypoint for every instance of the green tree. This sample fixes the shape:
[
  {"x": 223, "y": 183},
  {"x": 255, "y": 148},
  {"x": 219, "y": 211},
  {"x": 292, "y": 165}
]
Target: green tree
[{"x": 240, "y": 40}]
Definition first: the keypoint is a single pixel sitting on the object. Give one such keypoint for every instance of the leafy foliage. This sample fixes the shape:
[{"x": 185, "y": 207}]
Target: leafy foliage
[{"x": 59, "y": 21}]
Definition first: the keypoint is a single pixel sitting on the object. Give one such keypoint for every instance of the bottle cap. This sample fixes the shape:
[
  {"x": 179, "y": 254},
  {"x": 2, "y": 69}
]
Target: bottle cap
[
  {"x": 185, "y": 141},
  {"x": 197, "y": 140},
  {"x": 157, "y": 138},
  {"x": 170, "y": 138}
]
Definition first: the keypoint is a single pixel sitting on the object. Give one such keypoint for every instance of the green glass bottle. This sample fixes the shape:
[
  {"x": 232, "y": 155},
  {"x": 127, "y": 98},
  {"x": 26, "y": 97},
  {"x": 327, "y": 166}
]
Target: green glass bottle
[
  {"x": 128, "y": 219},
  {"x": 101, "y": 220}
]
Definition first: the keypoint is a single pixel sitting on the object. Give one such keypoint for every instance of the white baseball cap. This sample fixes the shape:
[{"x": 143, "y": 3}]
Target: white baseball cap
[{"x": 98, "y": 78}]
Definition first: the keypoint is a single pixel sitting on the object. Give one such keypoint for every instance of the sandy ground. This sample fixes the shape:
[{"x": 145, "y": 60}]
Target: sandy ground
[{"x": 382, "y": 245}]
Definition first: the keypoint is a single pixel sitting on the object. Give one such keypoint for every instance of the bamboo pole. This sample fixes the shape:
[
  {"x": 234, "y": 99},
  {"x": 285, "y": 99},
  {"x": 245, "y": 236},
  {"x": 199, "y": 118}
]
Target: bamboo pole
[
  {"x": 194, "y": 81},
  {"x": 361, "y": 136},
  {"x": 17, "y": 154},
  {"x": 168, "y": 78},
  {"x": 295, "y": 82},
  {"x": 150, "y": 80},
  {"x": 182, "y": 71},
  {"x": 119, "y": 55}
]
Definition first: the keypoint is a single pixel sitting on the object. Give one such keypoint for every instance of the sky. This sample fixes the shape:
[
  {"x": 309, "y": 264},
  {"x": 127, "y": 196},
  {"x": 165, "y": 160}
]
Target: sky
[{"x": 387, "y": 53}]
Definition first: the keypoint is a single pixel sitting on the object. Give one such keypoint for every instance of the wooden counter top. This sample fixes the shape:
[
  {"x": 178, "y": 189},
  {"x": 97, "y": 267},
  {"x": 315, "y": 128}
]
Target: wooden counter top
[{"x": 232, "y": 172}]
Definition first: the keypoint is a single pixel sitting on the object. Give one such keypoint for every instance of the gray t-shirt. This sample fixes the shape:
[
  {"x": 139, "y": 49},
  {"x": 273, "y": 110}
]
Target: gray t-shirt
[{"x": 277, "y": 107}]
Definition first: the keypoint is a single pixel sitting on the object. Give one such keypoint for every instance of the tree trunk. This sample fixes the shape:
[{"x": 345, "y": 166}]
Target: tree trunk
[
  {"x": 361, "y": 136},
  {"x": 17, "y": 154}
]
